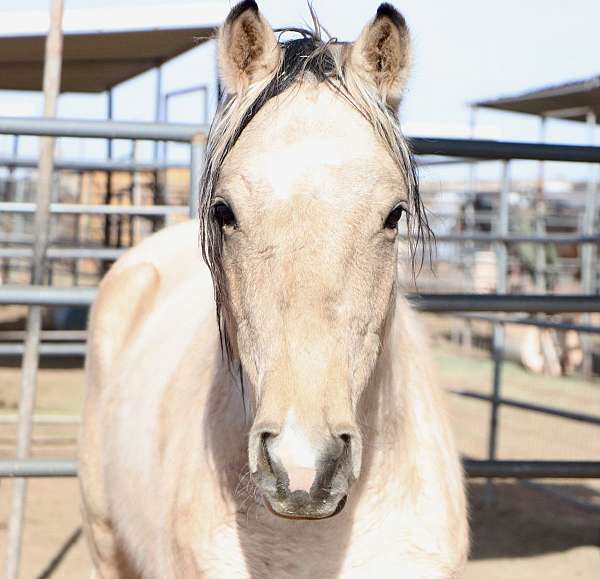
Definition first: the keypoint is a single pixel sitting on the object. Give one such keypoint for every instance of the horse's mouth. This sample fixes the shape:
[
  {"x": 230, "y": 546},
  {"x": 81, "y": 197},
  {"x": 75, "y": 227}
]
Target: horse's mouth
[{"x": 300, "y": 506}]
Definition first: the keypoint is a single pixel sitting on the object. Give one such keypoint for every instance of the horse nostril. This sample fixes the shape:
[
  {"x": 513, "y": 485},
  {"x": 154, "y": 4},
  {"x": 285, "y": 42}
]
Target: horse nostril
[
  {"x": 344, "y": 441},
  {"x": 345, "y": 438},
  {"x": 265, "y": 437},
  {"x": 349, "y": 442}
]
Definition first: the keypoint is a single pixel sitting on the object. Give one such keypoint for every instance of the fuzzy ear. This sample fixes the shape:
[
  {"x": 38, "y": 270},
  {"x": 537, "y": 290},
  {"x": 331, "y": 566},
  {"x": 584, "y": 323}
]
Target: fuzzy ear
[
  {"x": 381, "y": 55},
  {"x": 248, "y": 49}
]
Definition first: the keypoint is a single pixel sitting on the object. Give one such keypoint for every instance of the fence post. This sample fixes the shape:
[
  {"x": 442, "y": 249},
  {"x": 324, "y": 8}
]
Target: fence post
[
  {"x": 498, "y": 328},
  {"x": 540, "y": 219},
  {"x": 196, "y": 160},
  {"x": 52, "y": 76},
  {"x": 587, "y": 250},
  {"x": 469, "y": 249}
]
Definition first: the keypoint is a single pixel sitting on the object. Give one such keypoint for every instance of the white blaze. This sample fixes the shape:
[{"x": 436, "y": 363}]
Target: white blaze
[{"x": 294, "y": 451}]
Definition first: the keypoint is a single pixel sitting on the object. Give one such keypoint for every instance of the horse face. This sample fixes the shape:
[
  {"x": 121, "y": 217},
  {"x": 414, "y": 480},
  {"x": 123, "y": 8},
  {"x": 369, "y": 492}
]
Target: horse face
[{"x": 307, "y": 204}]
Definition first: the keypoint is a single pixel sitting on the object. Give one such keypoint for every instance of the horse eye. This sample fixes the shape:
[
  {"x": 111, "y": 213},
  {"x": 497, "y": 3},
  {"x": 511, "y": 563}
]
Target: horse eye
[
  {"x": 392, "y": 219},
  {"x": 223, "y": 214}
]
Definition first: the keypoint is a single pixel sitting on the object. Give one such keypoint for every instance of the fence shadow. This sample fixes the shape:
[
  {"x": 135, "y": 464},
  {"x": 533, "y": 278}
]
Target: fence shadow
[
  {"x": 524, "y": 521},
  {"x": 55, "y": 562}
]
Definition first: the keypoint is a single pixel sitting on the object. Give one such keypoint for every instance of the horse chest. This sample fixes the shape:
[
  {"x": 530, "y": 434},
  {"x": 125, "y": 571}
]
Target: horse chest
[{"x": 263, "y": 549}]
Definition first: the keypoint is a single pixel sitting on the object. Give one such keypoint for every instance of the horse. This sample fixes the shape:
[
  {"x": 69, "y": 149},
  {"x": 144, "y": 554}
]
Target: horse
[{"x": 260, "y": 397}]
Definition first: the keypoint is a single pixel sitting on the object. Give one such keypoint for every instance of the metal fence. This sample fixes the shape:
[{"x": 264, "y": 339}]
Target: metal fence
[{"x": 36, "y": 296}]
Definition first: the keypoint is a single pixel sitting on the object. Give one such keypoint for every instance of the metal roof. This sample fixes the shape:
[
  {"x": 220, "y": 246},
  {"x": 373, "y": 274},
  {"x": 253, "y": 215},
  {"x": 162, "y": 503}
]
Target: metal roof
[
  {"x": 95, "y": 61},
  {"x": 571, "y": 100}
]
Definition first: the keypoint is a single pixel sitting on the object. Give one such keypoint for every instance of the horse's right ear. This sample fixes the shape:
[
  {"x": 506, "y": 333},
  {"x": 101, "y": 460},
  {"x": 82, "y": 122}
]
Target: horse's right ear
[{"x": 248, "y": 49}]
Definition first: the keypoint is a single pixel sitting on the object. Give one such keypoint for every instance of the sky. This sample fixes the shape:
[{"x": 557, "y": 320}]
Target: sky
[{"x": 463, "y": 51}]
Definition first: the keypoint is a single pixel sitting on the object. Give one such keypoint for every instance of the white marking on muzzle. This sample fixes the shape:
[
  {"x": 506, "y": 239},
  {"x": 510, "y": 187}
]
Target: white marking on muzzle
[{"x": 294, "y": 451}]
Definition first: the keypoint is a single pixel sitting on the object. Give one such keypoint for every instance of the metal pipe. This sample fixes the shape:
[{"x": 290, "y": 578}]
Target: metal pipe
[
  {"x": 196, "y": 160},
  {"x": 108, "y": 193},
  {"x": 148, "y": 131},
  {"x": 589, "y": 217},
  {"x": 588, "y": 273},
  {"x": 68, "y": 349},
  {"x": 514, "y": 403},
  {"x": 46, "y": 296},
  {"x": 528, "y": 469},
  {"x": 80, "y": 208},
  {"x": 42, "y": 419},
  {"x": 92, "y": 165},
  {"x": 52, "y": 77},
  {"x": 499, "y": 329},
  {"x": 37, "y": 467},
  {"x": 55, "y": 253},
  {"x": 202, "y": 88},
  {"x": 510, "y": 303},
  {"x": 590, "y": 239},
  {"x": 534, "y": 322},
  {"x": 466, "y": 253},
  {"x": 48, "y": 335},
  {"x": 505, "y": 150},
  {"x": 176, "y": 132},
  {"x": 447, "y": 303},
  {"x": 540, "y": 219},
  {"x": 186, "y": 90},
  {"x": 522, "y": 469},
  {"x": 157, "y": 107}
]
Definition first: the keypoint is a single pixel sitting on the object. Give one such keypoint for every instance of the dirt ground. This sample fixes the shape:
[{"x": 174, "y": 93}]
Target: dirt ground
[{"x": 525, "y": 532}]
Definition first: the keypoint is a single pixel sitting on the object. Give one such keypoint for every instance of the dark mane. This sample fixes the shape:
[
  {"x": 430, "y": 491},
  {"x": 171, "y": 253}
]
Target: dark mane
[{"x": 306, "y": 57}]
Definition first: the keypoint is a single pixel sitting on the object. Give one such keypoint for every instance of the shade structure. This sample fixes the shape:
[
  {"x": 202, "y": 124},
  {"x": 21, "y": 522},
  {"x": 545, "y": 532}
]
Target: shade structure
[
  {"x": 96, "y": 61},
  {"x": 572, "y": 100}
]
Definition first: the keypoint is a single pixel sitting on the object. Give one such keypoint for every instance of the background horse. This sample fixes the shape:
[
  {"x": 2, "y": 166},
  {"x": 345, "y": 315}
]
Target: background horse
[{"x": 298, "y": 432}]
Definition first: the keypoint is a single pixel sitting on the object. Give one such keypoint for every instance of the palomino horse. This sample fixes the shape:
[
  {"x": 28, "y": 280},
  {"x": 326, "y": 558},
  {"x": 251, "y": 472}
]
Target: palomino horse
[{"x": 274, "y": 415}]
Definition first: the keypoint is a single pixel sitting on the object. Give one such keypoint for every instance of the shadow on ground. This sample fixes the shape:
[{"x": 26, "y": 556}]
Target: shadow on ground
[{"x": 524, "y": 521}]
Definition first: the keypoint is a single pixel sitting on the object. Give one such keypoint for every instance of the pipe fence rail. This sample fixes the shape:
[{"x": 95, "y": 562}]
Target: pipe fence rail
[
  {"x": 184, "y": 133},
  {"x": 86, "y": 209},
  {"x": 522, "y": 469},
  {"x": 91, "y": 165},
  {"x": 449, "y": 303}
]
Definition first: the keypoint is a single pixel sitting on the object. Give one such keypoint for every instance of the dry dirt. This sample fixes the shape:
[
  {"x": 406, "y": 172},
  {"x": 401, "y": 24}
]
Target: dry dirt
[{"x": 525, "y": 533}]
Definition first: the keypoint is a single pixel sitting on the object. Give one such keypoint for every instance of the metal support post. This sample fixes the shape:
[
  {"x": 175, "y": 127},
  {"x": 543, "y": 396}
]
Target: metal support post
[
  {"x": 159, "y": 177},
  {"x": 52, "y": 76},
  {"x": 499, "y": 330},
  {"x": 587, "y": 251},
  {"x": 108, "y": 193},
  {"x": 166, "y": 99},
  {"x": 158, "y": 109},
  {"x": 77, "y": 228},
  {"x": 196, "y": 161},
  {"x": 470, "y": 224},
  {"x": 18, "y": 222},
  {"x": 136, "y": 229},
  {"x": 540, "y": 219}
]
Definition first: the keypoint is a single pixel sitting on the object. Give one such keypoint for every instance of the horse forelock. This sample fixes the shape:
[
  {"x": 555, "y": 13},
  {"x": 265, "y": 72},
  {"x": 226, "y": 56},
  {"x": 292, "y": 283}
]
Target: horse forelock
[{"x": 305, "y": 59}]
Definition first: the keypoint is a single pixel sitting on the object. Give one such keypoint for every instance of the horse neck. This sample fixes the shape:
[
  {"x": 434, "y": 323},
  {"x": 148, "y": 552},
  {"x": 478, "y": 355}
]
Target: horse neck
[{"x": 401, "y": 412}]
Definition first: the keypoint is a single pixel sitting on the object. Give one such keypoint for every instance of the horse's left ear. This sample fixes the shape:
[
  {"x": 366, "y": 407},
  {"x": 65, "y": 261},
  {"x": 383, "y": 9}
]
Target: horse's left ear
[{"x": 381, "y": 55}]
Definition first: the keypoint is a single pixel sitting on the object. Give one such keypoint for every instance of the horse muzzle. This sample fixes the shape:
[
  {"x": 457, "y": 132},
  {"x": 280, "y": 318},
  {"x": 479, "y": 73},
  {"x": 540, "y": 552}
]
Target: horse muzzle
[{"x": 310, "y": 489}]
